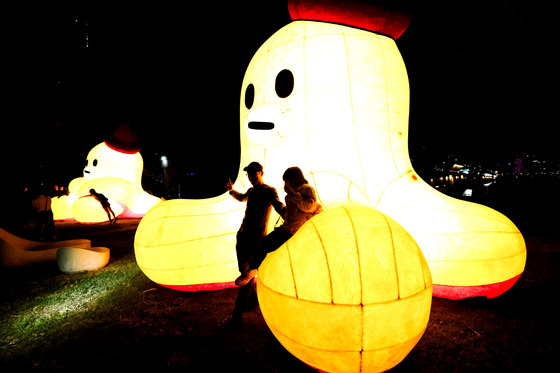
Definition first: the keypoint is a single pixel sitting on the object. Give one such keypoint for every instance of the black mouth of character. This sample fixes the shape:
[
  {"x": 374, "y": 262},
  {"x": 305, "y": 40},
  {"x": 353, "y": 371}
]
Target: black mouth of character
[
  {"x": 86, "y": 171},
  {"x": 261, "y": 125}
]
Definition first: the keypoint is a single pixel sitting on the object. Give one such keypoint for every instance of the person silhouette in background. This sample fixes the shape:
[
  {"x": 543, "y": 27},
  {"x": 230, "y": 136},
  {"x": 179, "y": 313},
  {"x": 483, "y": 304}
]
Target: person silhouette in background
[
  {"x": 260, "y": 199},
  {"x": 105, "y": 204},
  {"x": 44, "y": 217}
]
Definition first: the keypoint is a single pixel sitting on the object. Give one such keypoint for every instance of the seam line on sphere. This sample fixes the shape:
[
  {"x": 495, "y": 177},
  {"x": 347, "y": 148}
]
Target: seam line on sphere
[
  {"x": 291, "y": 269},
  {"x": 394, "y": 256},
  {"x": 347, "y": 305},
  {"x": 186, "y": 241},
  {"x": 183, "y": 268},
  {"x": 326, "y": 260}
]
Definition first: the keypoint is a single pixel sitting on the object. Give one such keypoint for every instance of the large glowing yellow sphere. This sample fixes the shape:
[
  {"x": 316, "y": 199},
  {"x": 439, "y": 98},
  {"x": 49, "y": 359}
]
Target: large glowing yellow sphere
[
  {"x": 349, "y": 292},
  {"x": 334, "y": 100}
]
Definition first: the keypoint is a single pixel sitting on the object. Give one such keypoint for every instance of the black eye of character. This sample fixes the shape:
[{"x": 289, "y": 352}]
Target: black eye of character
[
  {"x": 284, "y": 83},
  {"x": 249, "y": 96},
  {"x": 94, "y": 162}
]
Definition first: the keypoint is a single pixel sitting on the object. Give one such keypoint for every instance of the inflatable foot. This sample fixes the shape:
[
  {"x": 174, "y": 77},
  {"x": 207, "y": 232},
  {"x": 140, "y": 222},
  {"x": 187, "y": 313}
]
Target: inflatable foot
[
  {"x": 472, "y": 250},
  {"x": 189, "y": 245}
]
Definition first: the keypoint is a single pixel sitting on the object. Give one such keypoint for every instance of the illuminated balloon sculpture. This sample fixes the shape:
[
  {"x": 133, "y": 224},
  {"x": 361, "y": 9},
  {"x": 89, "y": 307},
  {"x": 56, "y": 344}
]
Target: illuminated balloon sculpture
[
  {"x": 16, "y": 252},
  {"x": 114, "y": 169},
  {"x": 190, "y": 244},
  {"x": 349, "y": 292},
  {"x": 332, "y": 97}
]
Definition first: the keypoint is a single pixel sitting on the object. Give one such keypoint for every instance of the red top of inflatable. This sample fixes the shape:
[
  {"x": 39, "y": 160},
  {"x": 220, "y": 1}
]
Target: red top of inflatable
[
  {"x": 379, "y": 16},
  {"x": 123, "y": 140}
]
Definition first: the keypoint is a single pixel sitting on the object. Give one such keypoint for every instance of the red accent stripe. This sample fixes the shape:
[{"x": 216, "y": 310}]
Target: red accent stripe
[
  {"x": 202, "y": 287},
  {"x": 462, "y": 292}
]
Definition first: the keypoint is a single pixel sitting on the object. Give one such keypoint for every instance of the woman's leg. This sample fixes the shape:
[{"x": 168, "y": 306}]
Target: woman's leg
[{"x": 268, "y": 244}]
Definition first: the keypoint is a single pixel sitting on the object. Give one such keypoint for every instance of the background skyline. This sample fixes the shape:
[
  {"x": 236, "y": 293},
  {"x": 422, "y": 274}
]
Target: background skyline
[{"x": 479, "y": 77}]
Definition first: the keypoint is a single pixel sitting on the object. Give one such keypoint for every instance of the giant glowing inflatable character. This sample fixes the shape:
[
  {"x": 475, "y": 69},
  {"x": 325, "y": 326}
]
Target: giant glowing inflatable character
[
  {"x": 349, "y": 292},
  {"x": 331, "y": 96},
  {"x": 114, "y": 169}
]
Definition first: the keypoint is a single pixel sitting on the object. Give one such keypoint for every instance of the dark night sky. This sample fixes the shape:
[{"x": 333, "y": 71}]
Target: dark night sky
[{"x": 480, "y": 75}]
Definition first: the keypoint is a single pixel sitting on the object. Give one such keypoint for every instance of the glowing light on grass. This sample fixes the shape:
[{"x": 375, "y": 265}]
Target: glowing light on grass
[{"x": 62, "y": 306}]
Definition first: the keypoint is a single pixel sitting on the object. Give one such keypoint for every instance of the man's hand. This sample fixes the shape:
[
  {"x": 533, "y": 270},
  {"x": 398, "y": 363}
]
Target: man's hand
[{"x": 229, "y": 185}]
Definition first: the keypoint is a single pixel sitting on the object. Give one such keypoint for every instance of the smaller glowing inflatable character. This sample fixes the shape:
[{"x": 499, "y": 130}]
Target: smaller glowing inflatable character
[
  {"x": 350, "y": 292},
  {"x": 114, "y": 169}
]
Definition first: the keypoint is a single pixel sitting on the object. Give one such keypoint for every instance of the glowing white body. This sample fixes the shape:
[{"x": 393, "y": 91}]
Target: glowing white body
[{"x": 345, "y": 124}]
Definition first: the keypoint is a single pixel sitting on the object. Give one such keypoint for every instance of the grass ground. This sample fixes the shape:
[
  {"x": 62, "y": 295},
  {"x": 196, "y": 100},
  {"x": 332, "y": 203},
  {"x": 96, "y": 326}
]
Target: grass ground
[{"x": 117, "y": 318}]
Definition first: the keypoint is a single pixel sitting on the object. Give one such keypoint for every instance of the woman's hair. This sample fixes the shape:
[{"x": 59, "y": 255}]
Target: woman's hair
[{"x": 294, "y": 176}]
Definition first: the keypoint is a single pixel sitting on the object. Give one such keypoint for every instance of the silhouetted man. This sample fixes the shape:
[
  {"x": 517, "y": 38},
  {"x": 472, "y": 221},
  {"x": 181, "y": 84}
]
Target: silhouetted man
[{"x": 260, "y": 200}]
